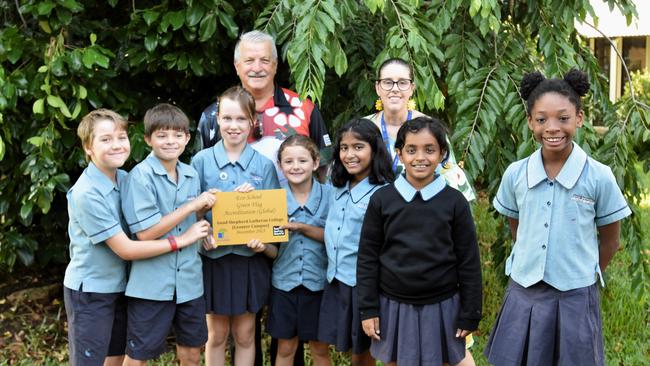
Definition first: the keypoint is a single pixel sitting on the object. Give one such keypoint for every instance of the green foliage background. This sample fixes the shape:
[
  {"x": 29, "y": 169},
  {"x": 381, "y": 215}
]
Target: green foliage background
[{"x": 60, "y": 59}]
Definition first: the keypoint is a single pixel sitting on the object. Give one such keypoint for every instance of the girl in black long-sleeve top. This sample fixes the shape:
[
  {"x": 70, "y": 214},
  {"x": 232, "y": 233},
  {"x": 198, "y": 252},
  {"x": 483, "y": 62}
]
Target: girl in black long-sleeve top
[{"x": 418, "y": 269}]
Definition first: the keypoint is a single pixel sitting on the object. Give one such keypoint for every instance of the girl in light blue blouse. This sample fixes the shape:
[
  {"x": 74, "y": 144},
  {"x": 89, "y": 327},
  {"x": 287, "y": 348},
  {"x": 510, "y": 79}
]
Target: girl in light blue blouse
[
  {"x": 564, "y": 209},
  {"x": 299, "y": 270},
  {"x": 236, "y": 278},
  {"x": 361, "y": 165}
]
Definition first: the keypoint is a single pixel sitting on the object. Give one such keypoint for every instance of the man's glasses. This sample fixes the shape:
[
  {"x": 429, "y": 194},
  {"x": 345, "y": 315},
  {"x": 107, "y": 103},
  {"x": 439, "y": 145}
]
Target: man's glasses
[{"x": 402, "y": 84}]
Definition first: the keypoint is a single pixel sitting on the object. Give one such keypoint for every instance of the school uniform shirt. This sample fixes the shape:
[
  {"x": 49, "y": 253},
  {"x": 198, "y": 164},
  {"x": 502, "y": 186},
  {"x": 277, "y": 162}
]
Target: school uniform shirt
[
  {"x": 558, "y": 219},
  {"x": 343, "y": 229},
  {"x": 301, "y": 260},
  {"x": 216, "y": 171},
  {"x": 419, "y": 247},
  {"x": 95, "y": 215},
  {"x": 149, "y": 195}
]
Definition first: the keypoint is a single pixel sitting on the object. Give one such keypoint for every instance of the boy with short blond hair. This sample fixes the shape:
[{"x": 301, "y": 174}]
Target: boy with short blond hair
[
  {"x": 95, "y": 278},
  {"x": 162, "y": 198}
]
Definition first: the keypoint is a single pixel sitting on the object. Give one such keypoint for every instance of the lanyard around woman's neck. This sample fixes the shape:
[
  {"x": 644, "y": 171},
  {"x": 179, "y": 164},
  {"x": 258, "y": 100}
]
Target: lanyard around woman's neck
[{"x": 384, "y": 136}]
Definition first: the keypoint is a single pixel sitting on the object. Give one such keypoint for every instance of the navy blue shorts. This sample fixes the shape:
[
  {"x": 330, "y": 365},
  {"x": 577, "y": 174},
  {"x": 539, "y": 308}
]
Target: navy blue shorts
[
  {"x": 150, "y": 322},
  {"x": 294, "y": 313},
  {"x": 96, "y": 326}
]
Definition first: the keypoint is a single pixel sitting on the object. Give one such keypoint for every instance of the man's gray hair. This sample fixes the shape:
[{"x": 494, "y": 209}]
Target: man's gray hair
[{"x": 256, "y": 36}]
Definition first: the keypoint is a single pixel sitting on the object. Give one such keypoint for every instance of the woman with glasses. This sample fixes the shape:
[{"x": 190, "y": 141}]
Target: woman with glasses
[{"x": 394, "y": 87}]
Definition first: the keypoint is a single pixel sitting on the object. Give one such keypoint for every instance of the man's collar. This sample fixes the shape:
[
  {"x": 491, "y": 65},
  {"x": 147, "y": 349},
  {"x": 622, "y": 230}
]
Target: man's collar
[{"x": 279, "y": 99}]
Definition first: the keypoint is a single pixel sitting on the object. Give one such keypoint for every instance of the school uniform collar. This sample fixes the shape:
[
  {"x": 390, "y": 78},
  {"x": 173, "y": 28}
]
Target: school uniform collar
[
  {"x": 407, "y": 191},
  {"x": 156, "y": 166},
  {"x": 221, "y": 157},
  {"x": 359, "y": 191},
  {"x": 313, "y": 202},
  {"x": 569, "y": 173},
  {"x": 101, "y": 181}
]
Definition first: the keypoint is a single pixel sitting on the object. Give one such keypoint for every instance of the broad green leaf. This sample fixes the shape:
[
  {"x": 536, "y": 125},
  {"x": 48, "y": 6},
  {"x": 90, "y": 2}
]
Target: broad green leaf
[
  {"x": 76, "y": 111},
  {"x": 374, "y": 5},
  {"x": 72, "y": 5},
  {"x": 207, "y": 27},
  {"x": 45, "y": 26},
  {"x": 151, "y": 42},
  {"x": 44, "y": 201},
  {"x": 194, "y": 14},
  {"x": 93, "y": 38},
  {"x": 150, "y": 16},
  {"x": 55, "y": 101},
  {"x": 340, "y": 62},
  {"x": 26, "y": 210},
  {"x": 43, "y": 69},
  {"x": 82, "y": 92},
  {"x": 182, "y": 62},
  {"x": 38, "y": 106},
  {"x": 231, "y": 27},
  {"x": 89, "y": 57},
  {"x": 36, "y": 140},
  {"x": 102, "y": 60},
  {"x": 474, "y": 7},
  {"x": 45, "y": 7},
  {"x": 176, "y": 19},
  {"x": 196, "y": 66},
  {"x": 65, "y": 111}
]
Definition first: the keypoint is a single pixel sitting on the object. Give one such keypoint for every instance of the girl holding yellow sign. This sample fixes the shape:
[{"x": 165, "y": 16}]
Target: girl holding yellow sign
[
  {"x": 236, "y": 278},
  {"x": 299, "y": 270}
]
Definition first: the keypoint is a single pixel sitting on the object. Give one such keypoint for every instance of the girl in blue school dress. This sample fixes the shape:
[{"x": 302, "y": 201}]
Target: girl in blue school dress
[
  {"x": 236, "y": 278},
  {"x": 564, "y": 209},
  {"x": 418, "y": 271},
  {"x": 361, "y": 165},
  {"x": 299, "y": 269}
]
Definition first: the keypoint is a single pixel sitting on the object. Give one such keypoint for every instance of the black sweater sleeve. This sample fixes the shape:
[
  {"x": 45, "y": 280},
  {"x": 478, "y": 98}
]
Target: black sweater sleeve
[
  {"x": 372, "y": 239},
  {"x": 468, "y": 267}
]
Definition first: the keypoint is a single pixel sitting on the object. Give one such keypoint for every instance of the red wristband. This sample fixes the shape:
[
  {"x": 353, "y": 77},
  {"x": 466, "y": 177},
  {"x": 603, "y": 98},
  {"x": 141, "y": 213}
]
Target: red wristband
[{"x": 172, "y": 243}]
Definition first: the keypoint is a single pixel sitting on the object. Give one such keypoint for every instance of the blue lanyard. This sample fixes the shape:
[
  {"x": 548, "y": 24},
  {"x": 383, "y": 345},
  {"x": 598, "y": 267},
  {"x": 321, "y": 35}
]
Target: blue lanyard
[{"x": 384, "y": 136}]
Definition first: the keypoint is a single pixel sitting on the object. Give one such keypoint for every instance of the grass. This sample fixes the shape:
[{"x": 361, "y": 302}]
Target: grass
[{"x": 34, "y": 334}]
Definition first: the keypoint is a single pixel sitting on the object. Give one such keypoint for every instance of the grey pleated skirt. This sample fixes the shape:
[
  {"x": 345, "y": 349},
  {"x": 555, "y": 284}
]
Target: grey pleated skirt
[
  {"x": 235, "y": 284},
  {"x": 541, "y": 325},
  {"x": 423, "y": 335}
]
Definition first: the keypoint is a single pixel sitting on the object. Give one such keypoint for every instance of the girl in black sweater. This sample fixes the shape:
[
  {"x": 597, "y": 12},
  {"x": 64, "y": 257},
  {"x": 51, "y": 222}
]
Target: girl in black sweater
[{"x": 418, "y": 269}]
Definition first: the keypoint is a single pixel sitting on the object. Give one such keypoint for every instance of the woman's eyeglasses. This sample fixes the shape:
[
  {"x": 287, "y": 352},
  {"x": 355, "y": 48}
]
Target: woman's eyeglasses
[{"x": 387, "y": 84}]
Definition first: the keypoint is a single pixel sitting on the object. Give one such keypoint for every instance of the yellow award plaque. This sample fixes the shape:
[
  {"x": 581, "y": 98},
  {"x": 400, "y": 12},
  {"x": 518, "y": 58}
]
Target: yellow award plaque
[{"x": 239, "y": 217}]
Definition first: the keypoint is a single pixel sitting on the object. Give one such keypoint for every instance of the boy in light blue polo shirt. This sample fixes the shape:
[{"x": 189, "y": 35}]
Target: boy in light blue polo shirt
[
  {"x": 162, "y": 198},
  {"x": 95, "y": 278}
]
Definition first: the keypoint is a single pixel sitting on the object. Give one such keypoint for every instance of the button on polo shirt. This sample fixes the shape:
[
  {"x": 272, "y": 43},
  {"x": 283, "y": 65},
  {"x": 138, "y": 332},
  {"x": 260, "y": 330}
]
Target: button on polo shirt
[{"x": 557, "y": 232}]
